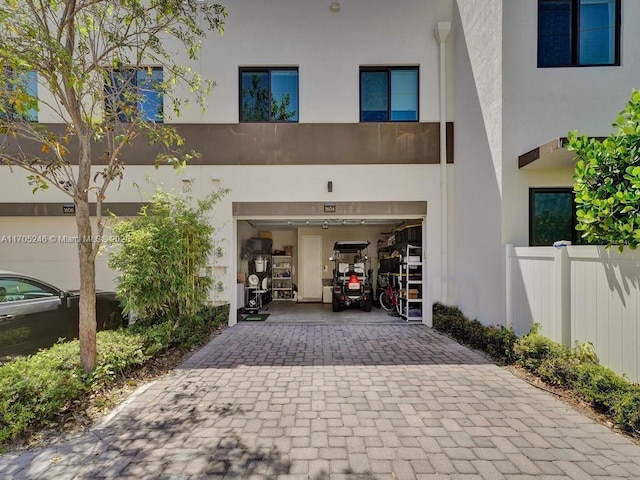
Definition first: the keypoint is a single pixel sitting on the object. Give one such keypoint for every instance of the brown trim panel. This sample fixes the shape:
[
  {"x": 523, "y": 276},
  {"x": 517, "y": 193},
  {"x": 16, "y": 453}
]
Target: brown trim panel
[
  {"x": 58, "y": 209},
  {"x": 261, "y": 209},
  {"x": 288, "y": 144}
]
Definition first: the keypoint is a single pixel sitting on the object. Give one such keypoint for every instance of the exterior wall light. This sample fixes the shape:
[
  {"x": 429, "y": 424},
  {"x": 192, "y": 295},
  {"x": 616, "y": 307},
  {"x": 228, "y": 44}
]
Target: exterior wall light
[{"x": 335, "y": 6}]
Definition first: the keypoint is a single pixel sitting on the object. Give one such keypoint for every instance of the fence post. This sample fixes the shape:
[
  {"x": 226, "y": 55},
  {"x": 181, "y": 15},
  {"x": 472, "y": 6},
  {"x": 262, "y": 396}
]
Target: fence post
[
  {"x": 562, "y": 296},
  {"x": 509, "y": 255}
]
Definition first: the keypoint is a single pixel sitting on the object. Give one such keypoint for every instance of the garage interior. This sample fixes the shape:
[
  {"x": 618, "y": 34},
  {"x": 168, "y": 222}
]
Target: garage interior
[{"x": 285, "y": 272}]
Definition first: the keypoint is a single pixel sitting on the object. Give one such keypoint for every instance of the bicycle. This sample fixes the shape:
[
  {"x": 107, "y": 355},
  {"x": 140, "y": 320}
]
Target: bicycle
[{"x": 389, "y": 299}]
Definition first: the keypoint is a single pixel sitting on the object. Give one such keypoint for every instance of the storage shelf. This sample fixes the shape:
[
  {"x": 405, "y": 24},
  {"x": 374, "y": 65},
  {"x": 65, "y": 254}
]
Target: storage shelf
[
  {"x": 410, "y": 279},
  {"x": 284, "y": 290}
]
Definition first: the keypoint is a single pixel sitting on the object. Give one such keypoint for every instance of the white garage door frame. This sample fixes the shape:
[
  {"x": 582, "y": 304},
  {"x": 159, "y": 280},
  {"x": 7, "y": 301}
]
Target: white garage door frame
[{"x": 400, "y": 210}]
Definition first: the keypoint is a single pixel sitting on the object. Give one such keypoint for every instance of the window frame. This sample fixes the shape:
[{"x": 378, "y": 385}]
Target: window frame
[
  {"x": 388, "y": 70},
  {"x": 575, "y": 235},
  {"x": 575, "y": 38},
  {"x": 121, "y": 116},
  {"x": 268, "y": 71}
]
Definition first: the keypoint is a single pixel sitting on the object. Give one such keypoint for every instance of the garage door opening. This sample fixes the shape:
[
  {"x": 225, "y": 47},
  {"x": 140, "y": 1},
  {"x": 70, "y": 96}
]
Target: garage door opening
[{"x": 288, "y": 269}]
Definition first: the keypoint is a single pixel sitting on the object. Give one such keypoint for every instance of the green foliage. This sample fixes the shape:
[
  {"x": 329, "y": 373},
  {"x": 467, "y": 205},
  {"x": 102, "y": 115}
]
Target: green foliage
[
  {"x": 600, "y": 386},
  {"x": 575, "y": 368},
  {"x": 497, "y": 341},
  {"x": 76, "y": 50},
  {"x": 627, "y": 410},
  {"x": 534, "y": 349},
  {"x": 607, "y": 181},
  {"x": 161, "y": 255},
  {"x": 35, "y": 390}
]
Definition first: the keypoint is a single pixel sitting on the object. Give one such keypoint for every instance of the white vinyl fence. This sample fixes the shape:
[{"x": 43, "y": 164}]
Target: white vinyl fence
[{"x": 579, "y": 293}]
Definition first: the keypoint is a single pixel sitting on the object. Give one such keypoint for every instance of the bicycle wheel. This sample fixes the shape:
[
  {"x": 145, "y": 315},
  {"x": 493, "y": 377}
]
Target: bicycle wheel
[{"x": 386, "y": 303}]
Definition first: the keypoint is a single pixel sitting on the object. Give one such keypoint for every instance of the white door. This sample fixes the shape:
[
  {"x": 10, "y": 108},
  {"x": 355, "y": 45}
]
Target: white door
[{"x": 311, "y": 268}]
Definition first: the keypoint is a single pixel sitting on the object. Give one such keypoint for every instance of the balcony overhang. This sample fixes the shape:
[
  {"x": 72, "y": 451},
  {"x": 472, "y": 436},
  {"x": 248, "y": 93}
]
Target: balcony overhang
[{"x": 550, "y": 155}]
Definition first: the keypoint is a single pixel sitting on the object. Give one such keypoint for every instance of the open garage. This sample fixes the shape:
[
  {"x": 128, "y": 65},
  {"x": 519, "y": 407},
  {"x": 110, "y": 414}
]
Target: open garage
[{"x": 291, "y": 266}]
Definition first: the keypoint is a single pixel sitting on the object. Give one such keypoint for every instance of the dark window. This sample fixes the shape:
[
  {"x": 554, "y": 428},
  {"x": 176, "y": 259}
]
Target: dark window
[
  {"x": 268, "y": 94},
  {"x": 389, "y": 94},
  {"x": 17, "y": 289},
  {"x": 19, "y": 95},
  {"x": 135, "y": 94},
  {"x": 578, "y": 33},
  {"x": 552, "y": 216}
]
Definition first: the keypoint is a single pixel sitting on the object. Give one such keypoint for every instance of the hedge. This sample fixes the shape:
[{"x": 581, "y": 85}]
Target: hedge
[
  {"x": 34, "y": 390},
  {"x": 575, "y": 369}
]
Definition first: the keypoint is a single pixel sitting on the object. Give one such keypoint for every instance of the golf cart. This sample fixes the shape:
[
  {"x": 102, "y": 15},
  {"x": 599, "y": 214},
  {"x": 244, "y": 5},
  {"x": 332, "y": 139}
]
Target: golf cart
[{"x": 351, "y": 282}]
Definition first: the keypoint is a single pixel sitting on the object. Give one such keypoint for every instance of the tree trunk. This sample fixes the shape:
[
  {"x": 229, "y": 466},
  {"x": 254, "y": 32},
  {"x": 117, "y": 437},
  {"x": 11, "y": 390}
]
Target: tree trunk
[
  {"x": 87, "y": 319},
  {"x": 86, "y": 257}
]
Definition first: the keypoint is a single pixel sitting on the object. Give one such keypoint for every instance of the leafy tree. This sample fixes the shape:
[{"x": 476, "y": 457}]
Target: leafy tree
[
  {"x": 161, "y": 255},
  {"x": 93, "y": 60},
  {"x": 607, "y": 181}
]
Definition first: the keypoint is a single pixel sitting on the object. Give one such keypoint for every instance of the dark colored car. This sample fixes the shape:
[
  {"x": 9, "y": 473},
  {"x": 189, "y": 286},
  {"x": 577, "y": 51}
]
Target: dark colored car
[
  {"x": 34, "y": 314},
  {"x": 351, "y": 277}
]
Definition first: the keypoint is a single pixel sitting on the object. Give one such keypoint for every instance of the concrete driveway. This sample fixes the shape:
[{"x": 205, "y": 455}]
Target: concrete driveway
[{"x": 338, "y": 401}]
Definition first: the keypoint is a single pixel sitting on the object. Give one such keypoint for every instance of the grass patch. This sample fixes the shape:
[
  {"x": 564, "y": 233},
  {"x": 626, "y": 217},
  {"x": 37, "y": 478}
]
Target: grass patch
[
  {"x": 574, "y": 369},
  {"x": 36, "y": 390}
]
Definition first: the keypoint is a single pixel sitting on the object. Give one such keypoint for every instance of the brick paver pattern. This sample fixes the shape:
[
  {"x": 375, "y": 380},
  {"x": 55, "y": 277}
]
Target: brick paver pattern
[{"x": 337, "y": 401}]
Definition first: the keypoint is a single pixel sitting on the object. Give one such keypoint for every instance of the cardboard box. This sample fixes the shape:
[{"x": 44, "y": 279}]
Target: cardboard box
[
  {"x": 413, "y": 293},
  {"x": 265, "y": 234},
  {"x": 288, "y": 249},
  {"x": 242, "y": 278}
]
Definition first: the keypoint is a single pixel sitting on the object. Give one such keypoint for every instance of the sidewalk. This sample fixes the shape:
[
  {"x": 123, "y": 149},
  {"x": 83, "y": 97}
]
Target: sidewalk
[{"x": 337, "y": 401}]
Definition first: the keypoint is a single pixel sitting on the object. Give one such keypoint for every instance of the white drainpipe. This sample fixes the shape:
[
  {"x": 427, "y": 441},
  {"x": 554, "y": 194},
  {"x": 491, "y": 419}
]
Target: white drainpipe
[{"x": 441, "y": 33}]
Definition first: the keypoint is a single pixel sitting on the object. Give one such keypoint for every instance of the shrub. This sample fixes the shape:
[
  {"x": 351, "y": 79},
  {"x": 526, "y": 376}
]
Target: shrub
[
  {"x": 36, "y": 389},
  {"x": 496, "y": 341},
  {"x": 573, "y": 368},
  {"x": 533, "y": 349},
  {"x": 627, "y": 410},
  {"x": 161, "y": 255},
  {"x": 600, "y": 386},
  {"x": 607, "y": 177}
]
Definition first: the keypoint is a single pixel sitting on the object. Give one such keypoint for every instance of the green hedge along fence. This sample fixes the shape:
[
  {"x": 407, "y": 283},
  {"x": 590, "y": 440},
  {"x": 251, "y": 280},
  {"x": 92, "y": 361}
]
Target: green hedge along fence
[{"x": 576, "y": 369}]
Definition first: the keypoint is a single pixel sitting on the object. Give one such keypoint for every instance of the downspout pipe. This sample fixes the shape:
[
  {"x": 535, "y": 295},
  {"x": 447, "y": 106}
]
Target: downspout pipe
[{"x": 441, "y": 33}]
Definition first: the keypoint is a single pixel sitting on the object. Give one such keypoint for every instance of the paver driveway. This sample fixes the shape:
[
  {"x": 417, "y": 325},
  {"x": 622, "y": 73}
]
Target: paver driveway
[{"x": 338, "y": 401}]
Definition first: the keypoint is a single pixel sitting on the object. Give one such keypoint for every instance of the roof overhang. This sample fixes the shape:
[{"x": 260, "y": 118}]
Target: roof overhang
[{"x": 550, "y": 155}]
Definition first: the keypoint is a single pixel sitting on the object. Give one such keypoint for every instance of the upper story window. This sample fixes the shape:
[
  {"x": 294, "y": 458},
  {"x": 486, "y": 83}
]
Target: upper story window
[
  {"x": 135, "y": 93},
  {"x": 19, "y": 95},
  {"x": 578, "y": 33},
  {"x": 268, "y": 94},
  {"x": 388, "y": 94}
]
